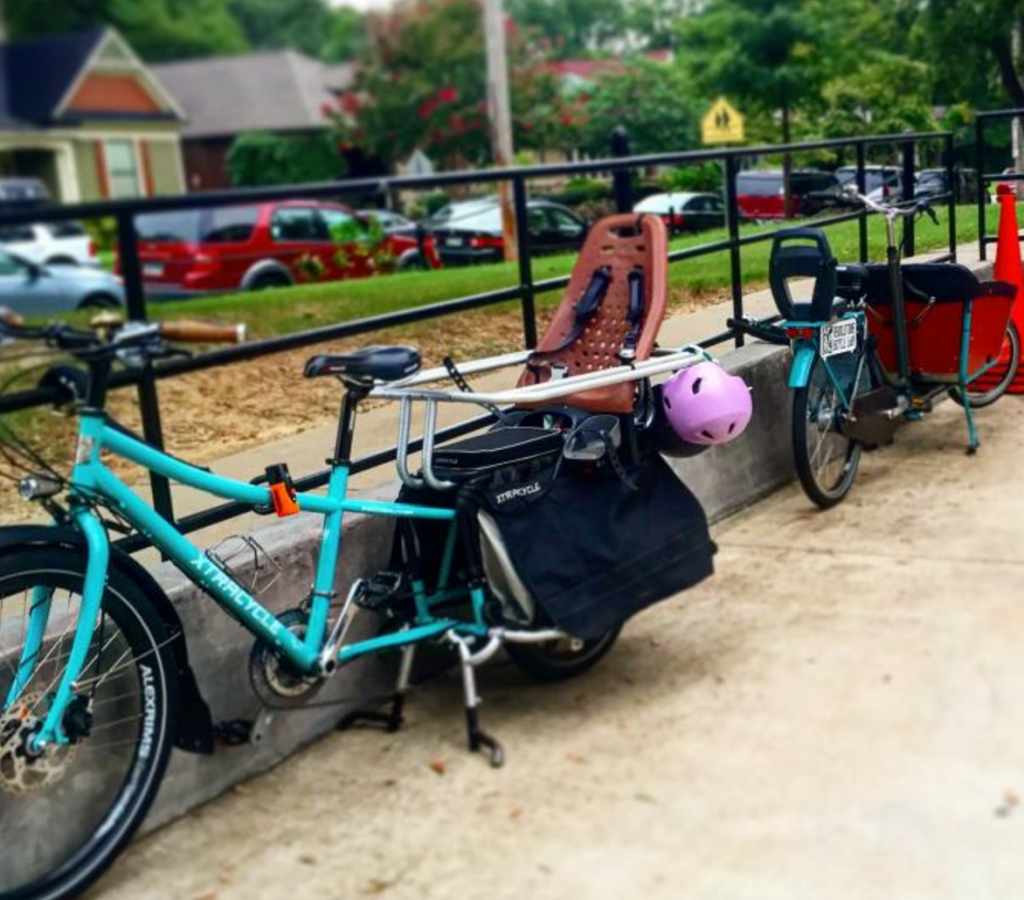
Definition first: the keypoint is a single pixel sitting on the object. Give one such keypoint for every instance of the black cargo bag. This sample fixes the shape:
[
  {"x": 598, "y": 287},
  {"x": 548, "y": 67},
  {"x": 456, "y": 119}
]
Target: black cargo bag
[{"x": 589, "y": 547}]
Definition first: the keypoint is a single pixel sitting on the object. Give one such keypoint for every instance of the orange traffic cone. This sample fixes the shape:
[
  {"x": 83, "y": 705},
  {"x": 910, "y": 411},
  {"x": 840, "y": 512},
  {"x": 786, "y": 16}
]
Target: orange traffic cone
[{"x": 1009, "y": 268}]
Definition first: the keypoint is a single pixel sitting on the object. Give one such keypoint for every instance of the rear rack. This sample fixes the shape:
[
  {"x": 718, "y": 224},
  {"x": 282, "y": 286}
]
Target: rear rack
[{"x": 411, "y": 390}]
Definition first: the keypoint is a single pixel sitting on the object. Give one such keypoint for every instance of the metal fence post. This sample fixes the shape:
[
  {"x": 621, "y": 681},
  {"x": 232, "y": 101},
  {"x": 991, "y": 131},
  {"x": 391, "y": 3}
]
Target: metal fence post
[
  {"x": 862, "y": 182},
  {"x": 735, "y": 265},
  {"x": 909, "y": 149},
  {"x": 149, "y": 403},
  {"x": 953, "y": 181},
  {"x": 979, "y": 163},
  {"x": 522, "y": 212},
  {"x": 622, "y": 178}
]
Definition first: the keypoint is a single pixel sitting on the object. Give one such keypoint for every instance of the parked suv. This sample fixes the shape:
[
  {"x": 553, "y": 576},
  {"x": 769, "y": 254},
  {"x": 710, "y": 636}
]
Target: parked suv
[
  {"x": 882, "y": 183},
  {"x": 760, "y": 193},
  {"x": 59, "y": 243},
  {"x": 260, "y": 245}
]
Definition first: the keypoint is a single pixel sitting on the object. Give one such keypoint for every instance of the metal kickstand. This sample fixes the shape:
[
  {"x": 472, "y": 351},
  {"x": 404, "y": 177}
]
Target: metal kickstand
[
  {"x": 478, "y": 738},
  {"x": 391, "y": 720}
]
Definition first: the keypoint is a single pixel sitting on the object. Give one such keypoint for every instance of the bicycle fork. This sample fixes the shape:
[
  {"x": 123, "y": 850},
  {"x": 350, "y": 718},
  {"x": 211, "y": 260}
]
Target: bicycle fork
[{"x": 52, "y": 730}]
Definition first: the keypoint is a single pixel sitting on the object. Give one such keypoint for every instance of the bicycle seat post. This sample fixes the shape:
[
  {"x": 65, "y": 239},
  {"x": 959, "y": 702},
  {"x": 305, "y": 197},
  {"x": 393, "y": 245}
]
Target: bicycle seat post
[{"x": 356, "y": 390}]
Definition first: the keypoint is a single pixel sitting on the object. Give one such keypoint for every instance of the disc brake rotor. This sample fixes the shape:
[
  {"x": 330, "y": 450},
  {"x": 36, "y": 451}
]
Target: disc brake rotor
[{"x": 21, "y": 771}]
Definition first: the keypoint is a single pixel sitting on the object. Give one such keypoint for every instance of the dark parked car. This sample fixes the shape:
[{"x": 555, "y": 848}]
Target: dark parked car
[
  {"x": 934, "y": 182},
  {"x": 470, "y": 231},
  {"x": 389, "y": 220},
  {"x": 23, "y": 191},
  {"x": 760, "y": 194},
  {"x": 685, "y": 212}
]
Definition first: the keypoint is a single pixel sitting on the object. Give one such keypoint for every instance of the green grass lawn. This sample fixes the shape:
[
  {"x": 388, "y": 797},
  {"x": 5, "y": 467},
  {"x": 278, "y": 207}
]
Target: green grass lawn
[{"x": 311, "y": 305}]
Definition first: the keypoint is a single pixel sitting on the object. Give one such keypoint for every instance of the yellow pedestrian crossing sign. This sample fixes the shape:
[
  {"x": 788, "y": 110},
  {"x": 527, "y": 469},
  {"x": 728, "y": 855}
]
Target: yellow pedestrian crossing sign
[{"x": 722, "y": 124}]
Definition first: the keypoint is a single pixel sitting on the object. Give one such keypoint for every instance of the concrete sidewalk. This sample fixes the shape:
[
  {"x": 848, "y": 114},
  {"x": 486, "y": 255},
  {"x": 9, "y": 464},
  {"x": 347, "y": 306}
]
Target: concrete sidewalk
[{"x": 836, "y": 714}]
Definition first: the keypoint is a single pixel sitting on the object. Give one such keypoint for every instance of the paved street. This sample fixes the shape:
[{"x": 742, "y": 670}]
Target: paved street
[{"x": 836, "y": 714}]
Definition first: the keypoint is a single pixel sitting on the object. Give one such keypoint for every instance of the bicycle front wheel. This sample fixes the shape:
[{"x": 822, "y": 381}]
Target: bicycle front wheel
[
  {"x": 1008, "y": 357},
  {"x": 826, "y": 459},
  {"x": 66, "y": 811}
]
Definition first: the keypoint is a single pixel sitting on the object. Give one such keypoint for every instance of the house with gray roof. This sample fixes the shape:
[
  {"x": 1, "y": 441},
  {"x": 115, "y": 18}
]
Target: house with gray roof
[
  {"x": 83, "y": 114},
  {"x": 282, "y": 92}
]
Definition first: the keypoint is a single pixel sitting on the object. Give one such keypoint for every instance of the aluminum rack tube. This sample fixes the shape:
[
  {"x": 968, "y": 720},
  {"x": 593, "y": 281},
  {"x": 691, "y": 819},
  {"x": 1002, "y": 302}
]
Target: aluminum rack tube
[
  {"x": 551, "y": 390},
  {"x": 402, "y": 455},
  {"x": 429, "y": 432},
  {"x": 474, "y": 367}
]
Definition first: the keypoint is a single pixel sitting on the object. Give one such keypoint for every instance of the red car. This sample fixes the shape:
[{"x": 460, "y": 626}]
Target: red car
[
  {"x": 263, "y": 245},
  {"x": 759, "y": 194}
]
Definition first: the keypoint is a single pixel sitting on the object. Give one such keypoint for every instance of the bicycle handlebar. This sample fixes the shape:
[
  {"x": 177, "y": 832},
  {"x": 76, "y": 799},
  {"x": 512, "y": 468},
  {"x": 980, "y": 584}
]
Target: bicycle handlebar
[
  {"x": 202, "y": 332},
  {"x": 10, "y": 318},
  {"x": 902, "y": 210},
  {"x": 114, "y": 337}
]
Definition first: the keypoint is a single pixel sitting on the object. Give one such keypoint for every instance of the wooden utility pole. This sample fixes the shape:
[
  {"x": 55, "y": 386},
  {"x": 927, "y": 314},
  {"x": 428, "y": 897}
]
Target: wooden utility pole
[{"x": 500, "y": 115}]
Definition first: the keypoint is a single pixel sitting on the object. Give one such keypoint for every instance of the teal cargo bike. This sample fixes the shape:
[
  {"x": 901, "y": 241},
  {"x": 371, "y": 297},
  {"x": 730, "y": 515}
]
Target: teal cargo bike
[
  {"x": 96, "y": 685},
  {"x": 879, "y": 344}
]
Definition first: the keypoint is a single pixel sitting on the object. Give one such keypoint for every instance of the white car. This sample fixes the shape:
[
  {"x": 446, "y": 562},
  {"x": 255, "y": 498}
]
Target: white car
[{"x": 59, "y": 243}]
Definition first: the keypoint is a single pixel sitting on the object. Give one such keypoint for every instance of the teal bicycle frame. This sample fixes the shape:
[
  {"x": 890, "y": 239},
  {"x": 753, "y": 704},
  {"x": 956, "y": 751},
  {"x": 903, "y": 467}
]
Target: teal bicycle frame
[
  {"x": 92, "y": 478},
  {"x": 808, "y": 349}
]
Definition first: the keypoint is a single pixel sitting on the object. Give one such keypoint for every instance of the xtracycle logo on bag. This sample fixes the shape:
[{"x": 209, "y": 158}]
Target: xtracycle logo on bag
[{"x": 517, "y": 492}]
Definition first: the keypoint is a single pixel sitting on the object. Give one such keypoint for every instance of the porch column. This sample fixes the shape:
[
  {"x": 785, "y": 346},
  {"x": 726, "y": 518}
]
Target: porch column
[{"x": 67, "y": 174}]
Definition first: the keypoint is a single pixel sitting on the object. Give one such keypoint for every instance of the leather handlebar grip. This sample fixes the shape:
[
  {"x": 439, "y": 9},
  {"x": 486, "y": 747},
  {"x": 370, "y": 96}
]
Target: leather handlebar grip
[
  {"x": 202, "y": 333},
  {"x": 10, "y": 317}
]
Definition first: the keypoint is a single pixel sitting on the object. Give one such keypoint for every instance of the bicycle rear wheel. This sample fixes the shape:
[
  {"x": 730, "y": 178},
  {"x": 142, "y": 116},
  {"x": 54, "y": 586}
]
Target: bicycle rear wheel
[
  {"x": 67, "y": 812},
  {"x": 826, "y": 460},
  {"x": 1009, "y": 357},
  {"x": 561, "y": 659}
]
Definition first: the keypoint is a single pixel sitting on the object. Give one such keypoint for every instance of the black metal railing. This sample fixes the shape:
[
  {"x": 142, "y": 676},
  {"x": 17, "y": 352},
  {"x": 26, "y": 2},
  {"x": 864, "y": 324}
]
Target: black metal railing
[
  {"x": 620, "y": 166},
  {"x": 982, "y": 122}
]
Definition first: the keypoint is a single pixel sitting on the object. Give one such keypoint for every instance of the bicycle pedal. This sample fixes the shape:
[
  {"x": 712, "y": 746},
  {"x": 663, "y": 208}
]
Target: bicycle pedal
[{"x": 379, "y": 590}]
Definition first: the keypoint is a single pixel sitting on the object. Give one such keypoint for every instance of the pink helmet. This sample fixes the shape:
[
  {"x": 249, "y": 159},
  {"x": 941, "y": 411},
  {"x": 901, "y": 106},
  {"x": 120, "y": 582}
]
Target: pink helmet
[{"x": 706, "y": 405}]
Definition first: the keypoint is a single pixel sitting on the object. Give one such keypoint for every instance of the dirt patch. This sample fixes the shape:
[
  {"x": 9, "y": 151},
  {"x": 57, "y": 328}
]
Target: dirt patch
[{"x": 210, "y": 414}]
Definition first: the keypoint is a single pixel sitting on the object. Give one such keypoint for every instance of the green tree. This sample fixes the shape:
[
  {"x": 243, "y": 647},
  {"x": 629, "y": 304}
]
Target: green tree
[
  {"x": 654, "y": 101},
  {"x": 971, "y": 46},
  {"x": 654, "y": 24},
  {"x": 421, "y": 84},
  {"x": 156, "y": 29},
  {"x": 283, "y": 24},
  {"x": 259, "y": 158},
  {"x": 346, "y": 34},
  {"x": 771, "y": 55},
  {"x": 885, "y": 94},
  {"x": 573, "y": 28}
]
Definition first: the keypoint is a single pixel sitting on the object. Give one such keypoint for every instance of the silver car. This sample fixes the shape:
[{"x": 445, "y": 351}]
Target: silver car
[{"x": 31, "y": 289}]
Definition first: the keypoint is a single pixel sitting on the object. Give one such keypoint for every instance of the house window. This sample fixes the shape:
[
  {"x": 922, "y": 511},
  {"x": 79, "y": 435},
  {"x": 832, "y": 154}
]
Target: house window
[{"x": 122, "y": 169}]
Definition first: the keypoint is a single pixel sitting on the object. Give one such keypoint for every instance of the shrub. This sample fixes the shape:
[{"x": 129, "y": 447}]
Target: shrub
[
  {"x": 702, "y": 178},
  {"x": 260, "y": 158}
]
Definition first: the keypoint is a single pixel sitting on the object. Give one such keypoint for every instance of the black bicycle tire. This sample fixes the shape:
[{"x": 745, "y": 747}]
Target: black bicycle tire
[
  {"x": 531, "y": 659},
  {"x": 127, "y": 605},
  {"x": 822, "y": 497}
]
